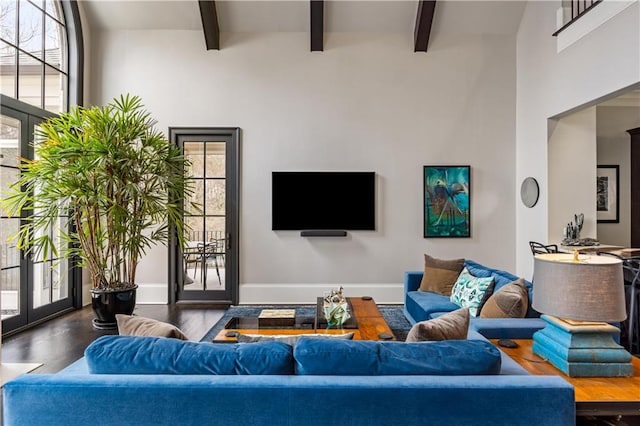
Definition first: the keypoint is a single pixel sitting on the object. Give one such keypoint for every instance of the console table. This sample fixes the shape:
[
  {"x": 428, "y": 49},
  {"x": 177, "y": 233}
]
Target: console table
[{"x": 595, "y": 396}]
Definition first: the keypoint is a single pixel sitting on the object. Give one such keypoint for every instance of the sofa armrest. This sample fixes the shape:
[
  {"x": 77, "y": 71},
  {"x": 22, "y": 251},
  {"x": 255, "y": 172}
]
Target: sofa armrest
[
  {"x": 507, "y": 328},
  {"x": 412, "y": 280}
]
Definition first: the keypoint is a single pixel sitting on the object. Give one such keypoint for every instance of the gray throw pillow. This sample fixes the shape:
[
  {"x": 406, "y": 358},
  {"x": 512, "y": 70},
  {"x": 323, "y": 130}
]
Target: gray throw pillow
[
  {"x": 440, "y": 275},
  {"x": 450, "y": 326},
  {"x": 130, "y": 325},
  {"x": 291, "y": 339},
  {"x": 511, "y": 301}
]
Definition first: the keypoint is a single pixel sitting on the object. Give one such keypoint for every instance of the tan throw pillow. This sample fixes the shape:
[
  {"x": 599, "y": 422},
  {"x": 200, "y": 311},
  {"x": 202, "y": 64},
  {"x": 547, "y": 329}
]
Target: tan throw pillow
[
  {"x": 440, "y": 275},
  {"x": 450, "y": 326},
  {"x": 511, "y": 301},
  {"x": 129, "y": 325}
]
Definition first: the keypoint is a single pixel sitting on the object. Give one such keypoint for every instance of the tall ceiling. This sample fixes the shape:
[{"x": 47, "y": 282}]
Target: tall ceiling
[
  {"x": 470, "y": 17},
  {"x": 451, "y": 16}
]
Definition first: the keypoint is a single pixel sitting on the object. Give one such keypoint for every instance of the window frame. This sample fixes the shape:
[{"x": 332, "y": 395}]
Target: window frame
[{"x": 73, "y": 69}]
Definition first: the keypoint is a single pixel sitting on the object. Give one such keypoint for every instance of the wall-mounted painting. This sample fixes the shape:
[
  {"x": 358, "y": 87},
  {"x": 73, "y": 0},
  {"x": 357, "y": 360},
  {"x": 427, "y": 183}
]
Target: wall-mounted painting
[
  {"x": 447, "y": 208},
  {"x": 607, "y": 194}
]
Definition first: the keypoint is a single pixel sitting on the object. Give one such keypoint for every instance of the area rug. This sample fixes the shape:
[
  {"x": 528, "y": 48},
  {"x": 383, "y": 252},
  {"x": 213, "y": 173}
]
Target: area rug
[{"x": 392, "y": 314}]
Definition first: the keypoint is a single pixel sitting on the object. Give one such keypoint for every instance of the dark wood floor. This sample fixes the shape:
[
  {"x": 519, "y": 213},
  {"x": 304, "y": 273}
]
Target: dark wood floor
[{"x": 61, "y": 341}]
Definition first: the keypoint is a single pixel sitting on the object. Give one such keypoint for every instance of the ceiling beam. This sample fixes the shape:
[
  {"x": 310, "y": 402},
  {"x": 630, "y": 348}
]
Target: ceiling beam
[
  {"x": 424, "y": 19},
  {"x": 317, "y": 25},
  {"x": 210, "y": 24}
]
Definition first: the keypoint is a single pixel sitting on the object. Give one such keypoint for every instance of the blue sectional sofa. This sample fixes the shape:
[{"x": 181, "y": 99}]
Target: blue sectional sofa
[
  {"x": 319, "y": 382},
  {"x": 425, "y": 305}
]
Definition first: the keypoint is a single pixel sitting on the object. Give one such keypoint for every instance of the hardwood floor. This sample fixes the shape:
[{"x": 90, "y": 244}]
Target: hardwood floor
[{"x": 61, "y": 341}]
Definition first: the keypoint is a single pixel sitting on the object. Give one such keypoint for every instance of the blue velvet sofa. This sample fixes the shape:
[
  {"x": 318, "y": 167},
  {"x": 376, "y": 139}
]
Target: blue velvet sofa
[
  {"x": 319, "y": 382},
  {"x": 425, "y": 305}
]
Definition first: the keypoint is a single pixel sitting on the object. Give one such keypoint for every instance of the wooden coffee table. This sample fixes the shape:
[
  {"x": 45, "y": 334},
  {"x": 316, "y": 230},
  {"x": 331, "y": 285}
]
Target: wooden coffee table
[
  {"x": 595, "y": 396},
  {"x": 370, "y": 325}
]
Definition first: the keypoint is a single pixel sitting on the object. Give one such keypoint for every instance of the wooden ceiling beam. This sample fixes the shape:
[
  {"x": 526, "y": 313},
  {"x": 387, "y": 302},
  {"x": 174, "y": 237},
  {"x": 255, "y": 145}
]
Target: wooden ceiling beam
[
  {"x": 424, "y": 20},
  {"x": 317, "y": 25},
  {"x": 210, "y": 24}
]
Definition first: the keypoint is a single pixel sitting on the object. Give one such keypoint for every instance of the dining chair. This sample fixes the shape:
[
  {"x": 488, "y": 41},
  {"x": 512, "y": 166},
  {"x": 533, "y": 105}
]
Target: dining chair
[
  {"x": 192, "y": 256},
  {"x": 539, "y": 248},
  {"x": 214, "y": 250}
]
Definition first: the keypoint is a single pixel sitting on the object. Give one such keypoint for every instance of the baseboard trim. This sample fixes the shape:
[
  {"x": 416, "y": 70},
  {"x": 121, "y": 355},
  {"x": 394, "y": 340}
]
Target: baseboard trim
[
  {"x": 295, "y": 293},
  {"x": 152, "y": 294}
]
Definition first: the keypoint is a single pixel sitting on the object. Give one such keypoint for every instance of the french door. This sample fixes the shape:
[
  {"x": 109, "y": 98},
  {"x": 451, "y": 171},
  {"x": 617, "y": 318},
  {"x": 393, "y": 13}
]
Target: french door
[
  {"x": 206, "y": 269},
  {"x": 31, "y": 288}
]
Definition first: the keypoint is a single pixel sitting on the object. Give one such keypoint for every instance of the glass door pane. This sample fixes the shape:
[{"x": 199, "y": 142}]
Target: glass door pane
[
  {"x": 50, "y": 274},
  {"x": 32, "y": 288},
  {"x": 9, "y": 254},
  {"x": 204, "y": 256}
]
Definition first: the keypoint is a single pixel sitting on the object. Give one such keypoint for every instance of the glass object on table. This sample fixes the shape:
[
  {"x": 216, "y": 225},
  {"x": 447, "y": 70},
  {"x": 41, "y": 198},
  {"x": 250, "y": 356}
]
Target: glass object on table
[{"x": 335, "y": 308}]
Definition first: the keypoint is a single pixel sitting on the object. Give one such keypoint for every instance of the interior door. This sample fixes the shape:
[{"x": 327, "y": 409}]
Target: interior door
[
  {"x": 206, "y": 269},
  {"x": 31, "y": 288}
]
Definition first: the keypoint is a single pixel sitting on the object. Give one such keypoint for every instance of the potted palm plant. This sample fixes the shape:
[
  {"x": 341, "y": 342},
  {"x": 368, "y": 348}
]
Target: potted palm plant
[{"x": 118, "y": 180}]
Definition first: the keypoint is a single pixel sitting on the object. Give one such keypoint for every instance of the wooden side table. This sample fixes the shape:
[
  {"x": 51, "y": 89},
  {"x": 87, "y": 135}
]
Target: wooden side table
[{"x": 595, "y": 396}]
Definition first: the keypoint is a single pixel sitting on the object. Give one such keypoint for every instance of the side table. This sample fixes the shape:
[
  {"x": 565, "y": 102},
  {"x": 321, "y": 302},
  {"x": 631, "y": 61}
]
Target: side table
[{"x": 595, "y": 396}]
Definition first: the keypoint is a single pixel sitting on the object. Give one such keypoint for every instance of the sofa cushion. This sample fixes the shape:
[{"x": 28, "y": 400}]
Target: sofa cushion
[
  {"x": 440, "y": 275},
  {"x": 157, "y": 355},
  {"x": 501, "y": 279},
  {"x": 371, "y": 357},
  {"x": 450, "y": 326},
  {"x": 510, "y": 301},
  {"x": 469, "y": 291},
  {"x": 507, "y": 365},
  {"x": 422, "y": 304},
  {"x": 506, "y": 328},
  {"x": 130, "y": 325},
  {"x": 290, "y": 339}
]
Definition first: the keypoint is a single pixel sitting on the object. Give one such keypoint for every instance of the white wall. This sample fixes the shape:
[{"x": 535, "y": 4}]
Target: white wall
[
  {"x": 550, "y": 84},
  {"x": 572, "y": 173},
  {"x": 368, "y": 102},
  {"x": 614, "y": 145}
]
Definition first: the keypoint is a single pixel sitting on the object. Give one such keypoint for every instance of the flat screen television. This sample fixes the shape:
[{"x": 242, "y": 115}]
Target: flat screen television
[{"x": 323, "y": 201}]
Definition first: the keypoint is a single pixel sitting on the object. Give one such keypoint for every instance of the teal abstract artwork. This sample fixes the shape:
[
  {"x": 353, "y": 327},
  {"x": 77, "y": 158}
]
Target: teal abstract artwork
[{"x": 447, "y": 208}]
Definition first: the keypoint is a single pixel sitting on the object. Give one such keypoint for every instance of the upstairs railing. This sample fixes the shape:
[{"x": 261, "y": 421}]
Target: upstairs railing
[
  {"x": 205, "y": 235},
  {"x": 577, "y": 9}
]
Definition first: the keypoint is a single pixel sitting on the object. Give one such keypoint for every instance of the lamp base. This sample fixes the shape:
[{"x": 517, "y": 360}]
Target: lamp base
[{"x": 582, "y": 349}]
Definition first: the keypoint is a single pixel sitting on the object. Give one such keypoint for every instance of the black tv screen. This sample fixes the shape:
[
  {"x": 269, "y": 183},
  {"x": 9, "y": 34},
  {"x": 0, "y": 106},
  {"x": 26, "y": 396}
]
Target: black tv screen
[{"x": 323, "y": 201}]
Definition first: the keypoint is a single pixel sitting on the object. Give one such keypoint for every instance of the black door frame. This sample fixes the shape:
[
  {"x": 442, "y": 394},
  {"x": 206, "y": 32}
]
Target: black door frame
[
  {"x": 177, "y": 135},
  {"x": 29, "y": 117}
]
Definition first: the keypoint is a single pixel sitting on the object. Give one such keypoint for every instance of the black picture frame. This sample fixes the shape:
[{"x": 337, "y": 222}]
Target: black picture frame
[
  {"x": 447, "y": 201},
  {"x": 608, "y": 194}
]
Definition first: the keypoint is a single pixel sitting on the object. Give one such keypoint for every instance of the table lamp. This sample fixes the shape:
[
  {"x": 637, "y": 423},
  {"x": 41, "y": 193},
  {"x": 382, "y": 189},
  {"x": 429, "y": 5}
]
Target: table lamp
[{"x": 578, "y": 295}]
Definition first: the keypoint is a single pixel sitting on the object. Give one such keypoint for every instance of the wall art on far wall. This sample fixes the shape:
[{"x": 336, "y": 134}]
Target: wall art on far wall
[
  {"x": 608, "y": 194},
  {"x": 447, "y": 207}
]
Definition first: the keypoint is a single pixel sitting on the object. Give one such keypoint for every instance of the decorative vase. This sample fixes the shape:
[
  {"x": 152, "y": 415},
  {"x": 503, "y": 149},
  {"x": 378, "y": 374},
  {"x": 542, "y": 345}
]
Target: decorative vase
[
  {"x": 336, "y": 308},
  {"x": 107, "y": 303},
  {"x": 336, "y": 314}
]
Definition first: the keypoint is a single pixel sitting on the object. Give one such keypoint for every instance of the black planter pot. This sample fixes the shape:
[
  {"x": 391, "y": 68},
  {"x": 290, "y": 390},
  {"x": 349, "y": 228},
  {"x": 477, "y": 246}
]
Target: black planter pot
[{"x": 107, "y": 303}]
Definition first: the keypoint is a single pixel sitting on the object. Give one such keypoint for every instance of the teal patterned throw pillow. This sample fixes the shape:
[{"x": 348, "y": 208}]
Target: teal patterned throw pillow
[{"x": 469, "y": 291}]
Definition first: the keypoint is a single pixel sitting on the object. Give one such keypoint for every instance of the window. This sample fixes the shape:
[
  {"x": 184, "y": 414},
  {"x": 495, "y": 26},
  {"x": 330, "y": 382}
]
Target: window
[
  {"x": 41, "y": 62},
  {"x": 40, "y": 53}
]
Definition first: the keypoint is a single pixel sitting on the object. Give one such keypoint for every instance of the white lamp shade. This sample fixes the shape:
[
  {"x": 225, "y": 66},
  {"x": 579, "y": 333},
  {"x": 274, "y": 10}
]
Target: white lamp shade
[{"x": 591, "y": 289}]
